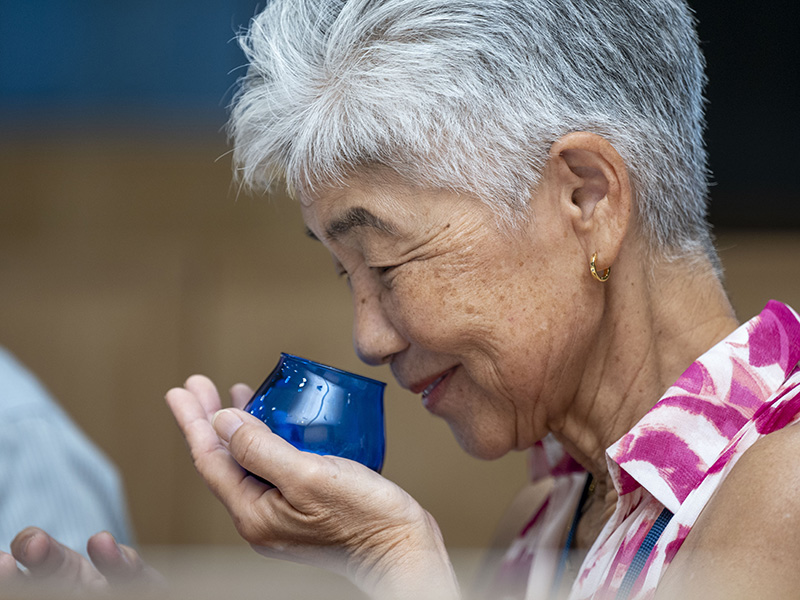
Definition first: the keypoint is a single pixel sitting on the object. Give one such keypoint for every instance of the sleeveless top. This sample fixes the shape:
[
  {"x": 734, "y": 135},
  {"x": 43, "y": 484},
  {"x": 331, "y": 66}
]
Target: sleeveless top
[{"x": 675, "y": 457}]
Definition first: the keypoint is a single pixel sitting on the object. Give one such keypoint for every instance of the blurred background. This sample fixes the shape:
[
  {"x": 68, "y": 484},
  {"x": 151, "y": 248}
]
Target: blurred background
[{"x": 128, "y": 261}]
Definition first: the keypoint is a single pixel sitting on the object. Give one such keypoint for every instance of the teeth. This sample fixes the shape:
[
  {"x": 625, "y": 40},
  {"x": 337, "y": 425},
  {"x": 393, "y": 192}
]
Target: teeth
[{"x": 429, "y": 389}]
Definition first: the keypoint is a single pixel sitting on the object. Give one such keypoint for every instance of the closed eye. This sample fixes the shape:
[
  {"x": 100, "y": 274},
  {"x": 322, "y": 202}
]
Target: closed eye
[
  {"x": 341, "y": 272},
  {"x": 387, "y": 275},
  {"x": 384, "y": 270}
]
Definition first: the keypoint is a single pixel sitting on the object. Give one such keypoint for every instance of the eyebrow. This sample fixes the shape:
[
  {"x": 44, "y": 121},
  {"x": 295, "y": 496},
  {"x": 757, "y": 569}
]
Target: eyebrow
[{"x": 357, "y": 217}]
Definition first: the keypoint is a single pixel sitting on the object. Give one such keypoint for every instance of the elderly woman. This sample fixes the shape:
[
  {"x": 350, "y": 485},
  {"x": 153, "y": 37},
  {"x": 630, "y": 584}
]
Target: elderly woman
[{"x": 516, "y": 193}]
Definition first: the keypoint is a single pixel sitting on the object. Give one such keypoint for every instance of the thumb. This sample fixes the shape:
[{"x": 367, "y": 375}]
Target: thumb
[
  {"x": 252, "y": 444},
  {"x": 226, "y": 422}
]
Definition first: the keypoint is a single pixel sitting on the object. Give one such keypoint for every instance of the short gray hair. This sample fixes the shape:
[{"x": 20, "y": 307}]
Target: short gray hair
[{"x": 469, "y": 95}]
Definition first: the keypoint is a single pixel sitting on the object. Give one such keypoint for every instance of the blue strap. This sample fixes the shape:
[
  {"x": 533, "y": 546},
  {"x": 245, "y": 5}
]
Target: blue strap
[
  {"x": 562, "y": 563},
  {"x": 639, "y": 561}
]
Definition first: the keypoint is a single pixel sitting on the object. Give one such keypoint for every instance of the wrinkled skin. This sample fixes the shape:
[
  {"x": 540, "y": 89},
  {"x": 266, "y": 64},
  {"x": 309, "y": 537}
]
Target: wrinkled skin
[{"x": 321, "y": 510}]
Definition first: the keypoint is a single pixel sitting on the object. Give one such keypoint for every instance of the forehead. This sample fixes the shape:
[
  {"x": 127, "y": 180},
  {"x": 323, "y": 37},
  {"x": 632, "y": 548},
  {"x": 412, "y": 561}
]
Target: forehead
[{"x": 395, "y": 209}]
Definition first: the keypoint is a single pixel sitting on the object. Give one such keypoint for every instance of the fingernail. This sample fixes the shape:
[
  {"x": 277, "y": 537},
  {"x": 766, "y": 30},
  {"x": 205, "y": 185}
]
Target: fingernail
[
  {"x": 122, "y": 554},
  {"x": 25, "y": 543},
  {"x": 225, "y": 422},
  {"x": 27, "y": 536}
]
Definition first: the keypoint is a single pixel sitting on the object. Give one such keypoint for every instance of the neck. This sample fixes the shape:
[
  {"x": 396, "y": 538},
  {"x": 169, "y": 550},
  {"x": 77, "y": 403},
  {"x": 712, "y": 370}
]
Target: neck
[{"x": 652, "y": 329}]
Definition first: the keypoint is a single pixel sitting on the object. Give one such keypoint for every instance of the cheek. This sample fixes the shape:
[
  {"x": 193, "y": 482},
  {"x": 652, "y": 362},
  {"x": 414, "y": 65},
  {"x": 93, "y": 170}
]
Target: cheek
[
  {"x": 484, "y": 428},
  {"x": 435, "y": 309}
]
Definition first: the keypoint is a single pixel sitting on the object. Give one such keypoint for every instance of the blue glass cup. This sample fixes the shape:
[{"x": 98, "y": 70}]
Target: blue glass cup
[{"x": 323, "y": 410}]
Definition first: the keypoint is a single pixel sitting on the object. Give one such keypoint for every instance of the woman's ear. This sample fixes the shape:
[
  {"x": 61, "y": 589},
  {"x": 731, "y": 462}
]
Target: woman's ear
[{"x": 595, "y": 192}]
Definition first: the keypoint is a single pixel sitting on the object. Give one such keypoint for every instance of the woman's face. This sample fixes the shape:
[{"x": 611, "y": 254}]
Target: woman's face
[{"x": 483, "y": 322}]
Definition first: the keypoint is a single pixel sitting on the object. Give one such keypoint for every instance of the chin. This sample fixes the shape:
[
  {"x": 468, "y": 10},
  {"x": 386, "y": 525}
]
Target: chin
[{"x": 484, "y": 445}]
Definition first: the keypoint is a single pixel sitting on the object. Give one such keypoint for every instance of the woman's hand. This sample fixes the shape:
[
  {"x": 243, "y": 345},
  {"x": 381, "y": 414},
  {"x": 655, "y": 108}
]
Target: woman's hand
[
  {"x": 323, "y": 510},
  {"x": 53, "y": 568}
]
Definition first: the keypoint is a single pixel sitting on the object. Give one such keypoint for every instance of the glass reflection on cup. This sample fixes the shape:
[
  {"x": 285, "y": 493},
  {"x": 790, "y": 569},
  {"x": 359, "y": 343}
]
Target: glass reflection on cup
[{"x": 324, "y": 410}]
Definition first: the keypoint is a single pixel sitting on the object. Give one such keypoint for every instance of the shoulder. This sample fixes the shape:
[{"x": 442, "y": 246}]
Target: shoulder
[
  {"x": 760, "y": 492},
  {"x": 760, "y": 495},
  {"x": 744, "y": 543},
  {"x": 761, "y": 489},
  {"x": 20, "y": 390}
]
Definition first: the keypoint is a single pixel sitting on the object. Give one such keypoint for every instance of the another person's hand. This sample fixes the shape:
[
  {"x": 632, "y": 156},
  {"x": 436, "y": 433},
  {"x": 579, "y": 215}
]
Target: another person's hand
[
  {"x": 323, "y": 510},
  {"x": 51, "y": 567}
]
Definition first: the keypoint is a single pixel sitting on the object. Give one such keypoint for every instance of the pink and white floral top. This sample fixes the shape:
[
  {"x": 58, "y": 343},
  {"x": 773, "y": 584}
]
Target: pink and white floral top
[{"x": 675, "y": 457}]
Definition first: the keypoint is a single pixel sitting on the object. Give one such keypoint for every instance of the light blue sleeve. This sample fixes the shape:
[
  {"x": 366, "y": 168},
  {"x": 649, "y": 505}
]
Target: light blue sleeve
[{"x": 51, "y": 475}]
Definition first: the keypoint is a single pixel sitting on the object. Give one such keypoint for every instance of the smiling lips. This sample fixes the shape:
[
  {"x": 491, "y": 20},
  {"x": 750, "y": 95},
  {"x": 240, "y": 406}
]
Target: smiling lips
[
  {"x": 428, "y": 386},
  {"x": 432, "y": 385}
]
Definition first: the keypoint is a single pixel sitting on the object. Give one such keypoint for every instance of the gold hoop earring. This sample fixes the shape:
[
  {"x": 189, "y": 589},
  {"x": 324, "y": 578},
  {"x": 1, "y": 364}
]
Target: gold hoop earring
[{"x": 593, "y": 269}]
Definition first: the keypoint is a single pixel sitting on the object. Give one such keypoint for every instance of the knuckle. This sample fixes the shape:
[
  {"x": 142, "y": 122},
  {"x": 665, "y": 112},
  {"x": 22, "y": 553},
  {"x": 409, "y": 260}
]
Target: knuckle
[
  {"x": 310, "y": 473},
  {"x": 248, "y": 449},
  {"x": 204, "y": 462},
  {"x": 256, "y": 527}
]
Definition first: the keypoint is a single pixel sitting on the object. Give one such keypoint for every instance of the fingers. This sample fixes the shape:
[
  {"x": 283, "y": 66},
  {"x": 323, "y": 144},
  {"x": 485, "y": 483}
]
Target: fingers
[
  {"x": 120, "y": 564},
  {"x": 262, "y": 512},
  {"x": 40, "y": 553},
  {"x": 45, "y": 558},
  {"x": 117, "y": 563},
  {"x": 192, "y": 419},
  {"x": 9, "y": 571},
  {"x": 240, "y": 395},
  {"x": 52, "y": 567},
  {"x": 262, "y": 452},
  {"x": 205, "y": 396},
  {"x": 194, "y": 403},
  {"x": 211, "y": 458},
  {"x": 205, "y": 392},
  {"x": 191, "y": 407},
  {"x": 194, "y": 407}
]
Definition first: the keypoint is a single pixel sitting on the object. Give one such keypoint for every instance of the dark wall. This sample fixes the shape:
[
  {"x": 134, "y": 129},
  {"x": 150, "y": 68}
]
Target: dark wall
[{"x": 753, "y": 55}]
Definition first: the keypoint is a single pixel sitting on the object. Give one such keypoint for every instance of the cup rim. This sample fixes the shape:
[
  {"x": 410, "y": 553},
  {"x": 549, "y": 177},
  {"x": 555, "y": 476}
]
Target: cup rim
[{"x": 334, "y": 369}]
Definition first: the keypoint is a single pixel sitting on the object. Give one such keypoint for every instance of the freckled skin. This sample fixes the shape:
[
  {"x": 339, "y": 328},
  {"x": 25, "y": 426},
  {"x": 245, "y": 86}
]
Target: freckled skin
[
  {"x": 507, "y": 327},
  {"x": 464, "y": 292}
]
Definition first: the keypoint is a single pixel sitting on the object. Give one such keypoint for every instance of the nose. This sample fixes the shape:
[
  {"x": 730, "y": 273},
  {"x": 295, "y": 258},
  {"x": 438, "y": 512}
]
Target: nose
[{"x": 375, "y": 338}]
